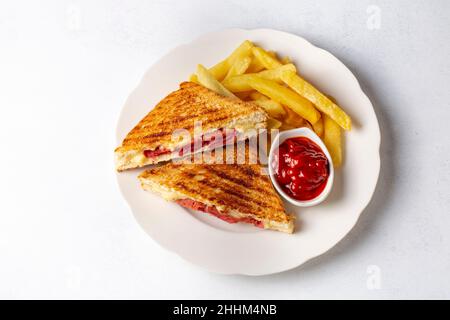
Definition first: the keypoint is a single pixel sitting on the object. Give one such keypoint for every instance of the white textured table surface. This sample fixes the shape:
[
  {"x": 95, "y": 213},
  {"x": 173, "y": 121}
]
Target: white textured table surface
[{"x": 66, "y": 68}]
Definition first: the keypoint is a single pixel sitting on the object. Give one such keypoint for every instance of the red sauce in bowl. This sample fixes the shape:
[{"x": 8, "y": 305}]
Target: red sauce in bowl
[{"x": 301, "y": 168}]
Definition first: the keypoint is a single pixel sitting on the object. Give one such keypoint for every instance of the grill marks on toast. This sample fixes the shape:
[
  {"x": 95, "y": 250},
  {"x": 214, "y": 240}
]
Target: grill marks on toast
[
  {"x": 223, "y": 185},
  {"x": 222, "y": 174},
  {"x": 179, "y": 110},
  {"x": 242, "y": 192}
]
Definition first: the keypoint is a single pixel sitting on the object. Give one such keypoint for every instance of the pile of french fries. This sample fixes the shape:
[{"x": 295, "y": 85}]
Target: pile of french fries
[{"x": 251, "y": 73}]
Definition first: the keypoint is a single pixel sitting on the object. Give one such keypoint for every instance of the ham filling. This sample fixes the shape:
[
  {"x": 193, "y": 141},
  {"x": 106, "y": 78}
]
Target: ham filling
[
  {"x": 198, "y": 206},
  {"x": 209, "y": 140},
  {"x": 155, "y": 153}
]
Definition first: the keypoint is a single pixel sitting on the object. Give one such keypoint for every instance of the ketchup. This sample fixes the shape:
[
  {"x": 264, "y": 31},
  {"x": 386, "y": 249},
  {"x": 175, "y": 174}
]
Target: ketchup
[{"x": 301, "y": 168}]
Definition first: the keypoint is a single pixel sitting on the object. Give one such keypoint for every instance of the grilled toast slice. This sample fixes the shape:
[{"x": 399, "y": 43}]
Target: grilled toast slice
[
  {"x": 151, "y": 140},
  {"x": 232, "y": 192}
]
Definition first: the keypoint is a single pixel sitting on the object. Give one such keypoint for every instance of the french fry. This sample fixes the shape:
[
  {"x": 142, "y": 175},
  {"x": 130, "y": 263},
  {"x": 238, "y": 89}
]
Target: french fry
[
  {"x": 272, "y": 53},
  {"x": 239, "y": 66},
  {"x": 244, "y": 95},
  {"x": 255, "y": 66},
  {"x": 286, "y": 60},
  {"x": 332, "y": 138},
  {"x": 273, "y": 108},
  {"x": 308, "y": 125},
  {"x": 273, "y": 123},
  {"x": 220, "y": 70},
  {"x": 275, "y": 74},
  {"x": 255, "y": 95},
  {"x": 286, "y": 97},
  {"x": 318, "y": 127},
  {"x": 206, "y": 79},
  {"x": 193, "y": 78},
  {"x": 239, "y": 83},
  {"x": 265, "y": 58},
  {"x": 286, "y": 126},
  {"x": 293, "y": 119},
  {"x": 323, "y": 103},
  {"x": 242, "y": 82}
]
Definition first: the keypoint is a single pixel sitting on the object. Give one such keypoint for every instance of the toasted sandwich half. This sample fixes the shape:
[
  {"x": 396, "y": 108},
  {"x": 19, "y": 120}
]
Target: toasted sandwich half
[
  {"x": 231, "y": 192},
  {"x": 151, "y": 141}
]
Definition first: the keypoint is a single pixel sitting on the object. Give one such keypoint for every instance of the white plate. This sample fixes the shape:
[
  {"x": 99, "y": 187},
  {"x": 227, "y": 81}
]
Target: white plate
[{"x": 240, "y": 249}]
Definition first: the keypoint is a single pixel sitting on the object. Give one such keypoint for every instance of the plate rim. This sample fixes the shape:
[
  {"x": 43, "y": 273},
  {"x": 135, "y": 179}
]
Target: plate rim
[{"x": 377, "y": 141}]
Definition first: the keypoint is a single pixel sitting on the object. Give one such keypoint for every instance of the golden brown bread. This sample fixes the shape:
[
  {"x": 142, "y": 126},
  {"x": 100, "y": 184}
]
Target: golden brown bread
[
  {"x": 239, "y": 190},
  {"x": 179, "y": 110}
]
